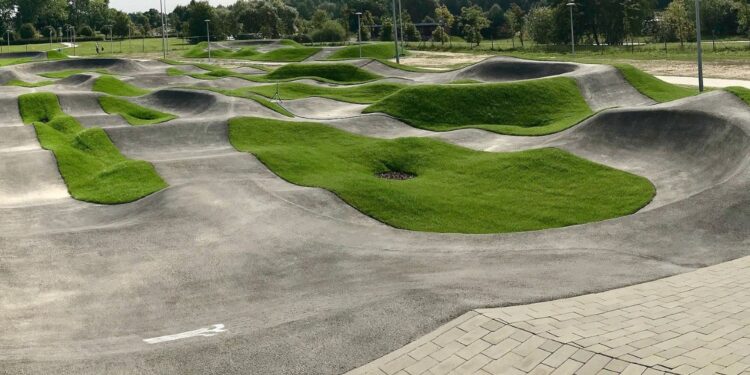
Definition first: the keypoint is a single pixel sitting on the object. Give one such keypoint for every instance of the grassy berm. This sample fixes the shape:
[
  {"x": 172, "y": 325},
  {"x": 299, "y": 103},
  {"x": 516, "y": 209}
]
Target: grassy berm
[
  {"x": 92, "y": 167},
  {"x": 534, "y": 107},
  {"x": 133, "y": 113},
  {"x": 653, "y": 87},
  {"x": 339, "y": 73},
  {"x": 454, "y": 189}
]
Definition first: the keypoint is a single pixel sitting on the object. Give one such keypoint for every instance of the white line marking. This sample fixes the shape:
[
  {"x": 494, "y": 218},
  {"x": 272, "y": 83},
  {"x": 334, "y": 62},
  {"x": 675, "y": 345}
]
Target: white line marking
[{"x": 205, "y": 332}]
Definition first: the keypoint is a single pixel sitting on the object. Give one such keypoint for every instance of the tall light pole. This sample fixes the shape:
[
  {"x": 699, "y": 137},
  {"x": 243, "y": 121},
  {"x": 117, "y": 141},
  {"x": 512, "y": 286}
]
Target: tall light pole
[
  {"x": 73, "y": 33},
  {"x": 698, "y": 41},
  {"x": 395, "y": 33},
  {"x": 166, "y": 27},
  {"x": 163, "y": 28},
  {"x": 111, "y": 43},
  {"x": 572, "y": 34},
  {"x": 401, "y": 24},
  {"x": 208, "y": 39},
  {"x": 51, "y": 30},
  {"x": 359, "y": 32}
]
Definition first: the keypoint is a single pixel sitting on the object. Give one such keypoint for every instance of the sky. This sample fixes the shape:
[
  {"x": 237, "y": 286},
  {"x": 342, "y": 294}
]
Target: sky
[{"x": 144, "y": 5}]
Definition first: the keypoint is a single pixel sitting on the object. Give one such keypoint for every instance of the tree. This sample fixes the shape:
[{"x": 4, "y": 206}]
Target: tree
[
  {"x": 514, "y": 17},
  {"x": 743, "y": 17},
  {"x": 540, "y": 24},
  {"x": 121, "y": 24},
  {"x": 677, "y": 18},
  {"x": 27, "y": 31},
  {"x": 411, "y": 33},
  {"x": 319, "y": 18},
  {"x": 85, "y": 31},
  {"x": 446, "y": 19},
  {"x": 714, "y": 14},
  {"x": 497, "y": 19},
  {"x": 200, "y": 11},
  {"x": 439, "y": 35},
  {"x": 386, "y": 29},
  {"x": 367, "y": 22},
  {"x": 472, "y": 23},
  {"x": 331, "y": 31}
]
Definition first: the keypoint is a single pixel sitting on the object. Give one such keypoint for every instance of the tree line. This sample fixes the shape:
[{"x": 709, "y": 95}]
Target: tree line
[{"x": 597, "y": 22}]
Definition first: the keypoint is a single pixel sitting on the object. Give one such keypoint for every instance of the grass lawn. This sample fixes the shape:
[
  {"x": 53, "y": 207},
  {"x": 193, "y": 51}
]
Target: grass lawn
[
  {"x": 512, "y": 108},
  {"x": 113, "y": 86},
  {"x": 92, "y": 167},
  {"x": 362, "y": 94},
  {"x": 373, "y": 51},
  {"x": 339, "y": 73},
  {"x": 740, "y": 92},
  {"x": 133, "y": 113},
  {"x": 455, "y": 189},
  {"x": 653, "y": 87}
]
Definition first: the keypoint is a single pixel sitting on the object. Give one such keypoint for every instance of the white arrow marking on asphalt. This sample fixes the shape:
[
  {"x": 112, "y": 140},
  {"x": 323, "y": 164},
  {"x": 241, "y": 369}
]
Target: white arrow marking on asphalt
[{"x": 205, "y": 332}]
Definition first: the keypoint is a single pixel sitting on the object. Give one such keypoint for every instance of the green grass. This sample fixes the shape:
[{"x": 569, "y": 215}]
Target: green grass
[
  {"x": 373, "y": 51},
  {"x": 291, "y": 54},
  {"x": 409, "y": 68},
  {"x": 740, "y": 92},
  {"x": 23, "y": 60},
  {"x": 16, "y": 82},
  {"x": 653, "y": 87},
  {"x": 455, "y": 189},
  {"x": 92, "y": 167},
  {"x": 533, "y": 107},
  {"x": 339, "y": 73},
  {"x": 173, "y": 72},
  {"x": 362, "y": 94},
  {"x": 464, "y": 82},
  {"x": 287, "y": 54},
  {"x": 134, "y": 114},
  {"x": 55, "y": 55},
  {"x": 71, "y": 72},
  {"x": 113, "y": 86}
]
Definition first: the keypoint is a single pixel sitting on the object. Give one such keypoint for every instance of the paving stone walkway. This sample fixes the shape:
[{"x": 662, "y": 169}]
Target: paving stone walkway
[{"x": 693, "y": 323}]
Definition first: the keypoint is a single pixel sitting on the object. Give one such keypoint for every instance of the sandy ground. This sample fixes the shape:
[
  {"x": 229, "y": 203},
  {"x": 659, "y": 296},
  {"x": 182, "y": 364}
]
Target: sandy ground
[
  {"x": 726, "y": 69},
  {"x": 441, "y": 60}
]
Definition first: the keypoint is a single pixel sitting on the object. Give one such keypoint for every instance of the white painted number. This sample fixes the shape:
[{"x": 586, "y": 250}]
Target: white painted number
[{"x": 205, "y": 332}]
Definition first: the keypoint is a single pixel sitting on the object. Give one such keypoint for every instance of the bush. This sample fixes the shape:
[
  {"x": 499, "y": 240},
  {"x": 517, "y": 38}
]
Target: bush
[
  {"x": 302, "y": 38},
  {"x": 86, "y": 31},
  {"x": 331, "y": 31},
  {"x": 27, "y": 31}
]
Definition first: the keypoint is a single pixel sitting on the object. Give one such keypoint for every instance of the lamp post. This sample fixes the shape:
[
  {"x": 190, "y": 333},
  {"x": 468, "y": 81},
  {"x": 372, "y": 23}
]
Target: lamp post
[
  {"x": 73, "y": 33},
  {"x": 572, "y": 34},
  {"x": 395, "y": 33},
  {"x": 51, "y": 30},
  {"x": 8, "y": 33},
  {"x": 359, "y": 32},
  {"x": 163, "y": 28},
  {"x": 698, "y": 41},
  {"x": 111, "y": 43},
  {"x": 208, "y": 39},
  {"x": 401, "y": 24}
]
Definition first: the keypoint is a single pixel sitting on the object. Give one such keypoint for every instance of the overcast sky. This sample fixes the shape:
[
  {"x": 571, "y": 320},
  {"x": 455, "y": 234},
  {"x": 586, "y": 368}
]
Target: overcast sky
[{"x": 144, "y": 5}]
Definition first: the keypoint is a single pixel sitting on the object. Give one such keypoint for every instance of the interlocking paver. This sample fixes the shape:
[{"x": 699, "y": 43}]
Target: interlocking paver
[{"x": 697, "y": 322}]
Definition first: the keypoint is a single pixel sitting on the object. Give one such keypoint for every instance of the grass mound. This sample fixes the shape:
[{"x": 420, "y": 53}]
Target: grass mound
[
  {"x": 520, "y": 108},
  {"x": 113, "y": 86},
  {"x": 56, "y": 55},
  {"x": 340, "y": 73},
  {"x": 453, "y": 190},
  {"x": 92, "y": 167},
  {"x": 363, "y": 94},
  {"x": 653, "y": 87},
  {"x": 16, "y": 82},
  {"x": 290, "y": 54},
  {"x": 740, "y": 92},
  {"x": 133, "y": 113},
  {"x": 374, "y": 51},
  {"x": 293, "y": 53}
]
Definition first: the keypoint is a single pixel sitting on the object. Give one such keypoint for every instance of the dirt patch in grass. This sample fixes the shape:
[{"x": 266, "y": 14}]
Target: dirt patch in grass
[{"x": 395, "y": 175}]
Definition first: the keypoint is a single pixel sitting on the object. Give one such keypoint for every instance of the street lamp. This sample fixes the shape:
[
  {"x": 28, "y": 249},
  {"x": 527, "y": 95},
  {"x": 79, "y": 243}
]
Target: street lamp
[
  {"x": 208, "y": 39},
  {"x": 698, "y": 41},
  {"x": 51, "y": 30},
  {"x": 111, "y": 43},
  {"x": 163, "y": 28},
  {"x": 395, "y": 33},
  {"x": 572, "y": 35},
  {"x": 359, "y": 32}
]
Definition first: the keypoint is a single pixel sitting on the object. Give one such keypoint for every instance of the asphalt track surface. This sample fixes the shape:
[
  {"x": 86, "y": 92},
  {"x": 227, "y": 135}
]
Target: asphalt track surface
[{"x": 302, "y": 282}]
